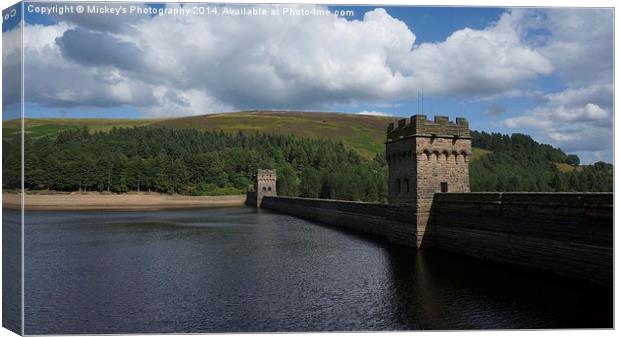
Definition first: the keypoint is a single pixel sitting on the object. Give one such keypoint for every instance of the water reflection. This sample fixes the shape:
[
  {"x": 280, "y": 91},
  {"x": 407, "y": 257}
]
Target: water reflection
[{"x": 238, "y": 269}]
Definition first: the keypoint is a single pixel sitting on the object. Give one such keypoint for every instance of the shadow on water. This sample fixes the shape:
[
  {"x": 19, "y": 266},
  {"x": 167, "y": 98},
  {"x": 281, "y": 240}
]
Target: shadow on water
[{"x": 440, "y": 290}]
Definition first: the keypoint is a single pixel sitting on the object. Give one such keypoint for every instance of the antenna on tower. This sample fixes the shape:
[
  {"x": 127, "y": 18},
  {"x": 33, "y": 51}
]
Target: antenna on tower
[
  {"x": 422, "y": 100},
  {"x": 418, "y": 101}
]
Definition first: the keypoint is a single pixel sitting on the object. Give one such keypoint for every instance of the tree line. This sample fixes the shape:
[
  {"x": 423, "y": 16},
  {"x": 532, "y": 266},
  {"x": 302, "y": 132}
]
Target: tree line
[
  {"x": 518, "y": 163},
  {"x": 192, "y": 162}
]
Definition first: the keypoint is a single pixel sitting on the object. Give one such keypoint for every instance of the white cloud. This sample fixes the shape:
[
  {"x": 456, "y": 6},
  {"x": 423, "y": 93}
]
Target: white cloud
[
  {"x": 570, "y": 119},
  {"x": 478, "y": 62},
  {"x": 190, "y": 65},
  {"x": 579, "y": 43},
  {"x": 375, "y": 113},
  {"x": 601, "y": 94}
]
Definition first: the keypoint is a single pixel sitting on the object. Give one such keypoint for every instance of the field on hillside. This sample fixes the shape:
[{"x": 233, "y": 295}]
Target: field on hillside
[
  {"x": 365, "y": 134},
  {"x": 38, "y": 127}
]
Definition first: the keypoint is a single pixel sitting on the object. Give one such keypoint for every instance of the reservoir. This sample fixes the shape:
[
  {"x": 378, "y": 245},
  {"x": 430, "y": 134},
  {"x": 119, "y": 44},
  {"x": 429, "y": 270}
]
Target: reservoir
[{"x": 241, "y": 269}]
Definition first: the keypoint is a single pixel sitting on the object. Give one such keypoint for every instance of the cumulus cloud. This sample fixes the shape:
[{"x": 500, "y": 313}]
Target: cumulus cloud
[
  {"x": 85, "y": 47},
  {"x": 478, "y": 62},
  {"x": 579, "y": 43},
  {"x": 570, "y": 119},
  {"x": 53, "y": 80},
  {"x": 190, "y": 64}
]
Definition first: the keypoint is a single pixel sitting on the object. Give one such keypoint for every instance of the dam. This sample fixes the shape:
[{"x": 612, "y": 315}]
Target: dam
[
  {"x": 436, "y": 256},
  {"x": 430, "y": 206}
]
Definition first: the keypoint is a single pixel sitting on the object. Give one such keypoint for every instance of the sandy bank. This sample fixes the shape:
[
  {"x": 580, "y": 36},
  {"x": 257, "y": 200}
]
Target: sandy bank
[{"x": 127, "y": 202}]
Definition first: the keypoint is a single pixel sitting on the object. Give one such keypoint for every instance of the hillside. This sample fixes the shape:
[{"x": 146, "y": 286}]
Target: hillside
[
  {"x": 365, "y": 134},
  {"x": 38, "y": 127},
  {"x": 498, "y": 162}
]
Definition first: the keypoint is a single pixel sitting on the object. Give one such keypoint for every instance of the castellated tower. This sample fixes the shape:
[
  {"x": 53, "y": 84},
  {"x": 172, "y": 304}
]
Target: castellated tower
[
  {"x": 426, "y": 157},
  {"x": 265, "y": 185}
]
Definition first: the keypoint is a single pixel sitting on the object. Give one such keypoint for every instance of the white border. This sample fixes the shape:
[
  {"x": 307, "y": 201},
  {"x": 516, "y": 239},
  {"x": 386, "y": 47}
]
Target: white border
[{"x": 476, "y": 3}]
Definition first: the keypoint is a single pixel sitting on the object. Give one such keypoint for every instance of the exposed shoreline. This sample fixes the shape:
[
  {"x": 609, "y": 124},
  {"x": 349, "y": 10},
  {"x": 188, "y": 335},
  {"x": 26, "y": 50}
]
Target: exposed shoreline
[{"x": 120, "y": 202}]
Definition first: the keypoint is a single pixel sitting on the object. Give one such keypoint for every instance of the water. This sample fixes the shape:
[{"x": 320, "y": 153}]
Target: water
[{"x": 239, "y": 269}]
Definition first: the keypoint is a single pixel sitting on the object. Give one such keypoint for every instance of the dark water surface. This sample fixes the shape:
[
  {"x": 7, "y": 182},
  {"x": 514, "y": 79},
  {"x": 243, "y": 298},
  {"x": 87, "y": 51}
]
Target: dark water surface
[{"x": 239, "y": 269}]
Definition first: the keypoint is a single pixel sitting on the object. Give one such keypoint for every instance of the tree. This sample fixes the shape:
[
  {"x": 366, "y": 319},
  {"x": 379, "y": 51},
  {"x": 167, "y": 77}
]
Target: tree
[
  {"x": 572, "y": 159},
  {"x": 310, "y": 185}
]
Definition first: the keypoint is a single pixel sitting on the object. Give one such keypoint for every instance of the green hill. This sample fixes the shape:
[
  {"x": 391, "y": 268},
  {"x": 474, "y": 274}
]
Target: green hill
[
  {"x": 499, "y": 162},
  {"x": 365, "y": 134}
]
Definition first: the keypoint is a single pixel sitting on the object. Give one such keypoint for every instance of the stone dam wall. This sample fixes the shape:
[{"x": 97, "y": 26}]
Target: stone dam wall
[
  {"x": 250, "y": 199},
  {"x": 567, "y": 234},
  {"x": 394, "y": 224}
]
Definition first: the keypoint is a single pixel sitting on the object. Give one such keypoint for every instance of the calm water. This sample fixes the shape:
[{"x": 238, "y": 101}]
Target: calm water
[{"x": 239, "y": 269}]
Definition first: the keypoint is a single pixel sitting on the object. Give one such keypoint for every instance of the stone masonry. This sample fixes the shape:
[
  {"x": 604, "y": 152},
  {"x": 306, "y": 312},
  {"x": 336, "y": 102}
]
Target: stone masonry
[
  {"x": 265, "y": 185},
  {"x": 426, "y": 157}
]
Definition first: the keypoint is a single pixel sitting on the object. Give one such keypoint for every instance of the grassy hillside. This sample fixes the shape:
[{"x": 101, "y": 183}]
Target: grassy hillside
[
  {"x": 365, "y": 134},
  {"x": 38, "y": 127}
]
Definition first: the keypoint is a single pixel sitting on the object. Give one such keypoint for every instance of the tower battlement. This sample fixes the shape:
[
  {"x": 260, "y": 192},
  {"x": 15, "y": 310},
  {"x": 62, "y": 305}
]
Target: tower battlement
[
  {"x": 266, "y": 174},
  {"x": 265, "y": 185},
  {"x": 420, "y": 126},
  {"x": 426, "y": 157}
]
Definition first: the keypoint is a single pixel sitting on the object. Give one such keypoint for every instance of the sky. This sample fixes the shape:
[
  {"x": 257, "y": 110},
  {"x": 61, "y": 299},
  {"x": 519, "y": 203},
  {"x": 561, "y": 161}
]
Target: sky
[{"x": 545, "y": 72}]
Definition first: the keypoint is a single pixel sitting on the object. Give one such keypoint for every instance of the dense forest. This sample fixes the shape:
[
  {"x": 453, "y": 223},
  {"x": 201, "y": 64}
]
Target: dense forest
[
  {"x": 518, "y": 163},
  {"x": 192, "y": 162}
]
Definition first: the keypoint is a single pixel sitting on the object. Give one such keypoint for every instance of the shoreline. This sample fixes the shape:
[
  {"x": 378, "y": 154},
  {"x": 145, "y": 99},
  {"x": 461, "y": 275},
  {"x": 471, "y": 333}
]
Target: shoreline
[{"x": 90, "y": 201}]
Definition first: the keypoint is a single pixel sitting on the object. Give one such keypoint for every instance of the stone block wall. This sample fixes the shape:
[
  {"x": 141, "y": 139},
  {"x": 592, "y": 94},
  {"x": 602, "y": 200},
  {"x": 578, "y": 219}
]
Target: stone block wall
[
  {"x": 568, "y": 234},
  {"x": 383, "y": 221}
]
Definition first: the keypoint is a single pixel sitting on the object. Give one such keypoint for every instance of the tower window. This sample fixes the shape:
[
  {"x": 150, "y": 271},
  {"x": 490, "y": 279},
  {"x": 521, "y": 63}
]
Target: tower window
[
  {"x": 264, "y": 188},
  {"x": 406, "y": 182},
  {"x": 269, "y": 188},
  {"x": 444, "y": 187}
]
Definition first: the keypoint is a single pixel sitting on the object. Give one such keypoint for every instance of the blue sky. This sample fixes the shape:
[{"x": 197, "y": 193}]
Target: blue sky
[{"x": 543, "y": 72}]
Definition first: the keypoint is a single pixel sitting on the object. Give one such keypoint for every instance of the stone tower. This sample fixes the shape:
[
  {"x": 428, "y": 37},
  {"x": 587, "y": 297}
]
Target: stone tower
[
  {"x": 265, "y": 185},
  {"x": 426, "y": 157}
]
